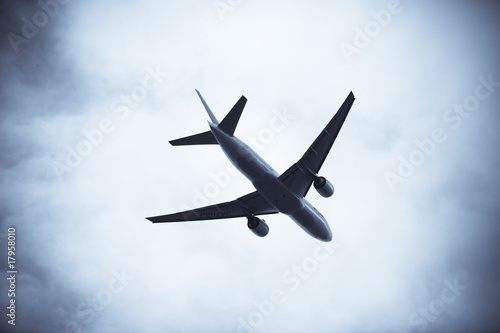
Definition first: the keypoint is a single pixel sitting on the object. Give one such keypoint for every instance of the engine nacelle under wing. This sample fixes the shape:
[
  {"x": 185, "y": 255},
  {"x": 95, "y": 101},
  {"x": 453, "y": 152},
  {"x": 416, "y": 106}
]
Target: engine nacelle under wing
[
  {"x": 258, "y": 226},
  {"x": 324, "y": 187}
]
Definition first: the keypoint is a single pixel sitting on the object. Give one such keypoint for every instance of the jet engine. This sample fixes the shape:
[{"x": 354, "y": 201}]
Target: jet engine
[
  {"x": 323, "y": 186},
  {"x": 258, "y": 226}
]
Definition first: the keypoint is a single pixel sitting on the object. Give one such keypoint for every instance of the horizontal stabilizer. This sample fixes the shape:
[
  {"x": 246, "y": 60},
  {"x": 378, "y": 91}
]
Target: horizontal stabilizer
[
  {"x": 228, "y": 124},
  {"x": 205, "y": 138}
]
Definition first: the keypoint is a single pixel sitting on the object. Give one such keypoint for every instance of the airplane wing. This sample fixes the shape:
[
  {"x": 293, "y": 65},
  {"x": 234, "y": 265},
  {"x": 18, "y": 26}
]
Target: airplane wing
[
  {"x": 300, "y": 175},
  {"x": 250, "y": 204}
]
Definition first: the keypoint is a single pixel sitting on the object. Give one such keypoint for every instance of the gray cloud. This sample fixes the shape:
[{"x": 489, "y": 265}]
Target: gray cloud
[{"x": 77, "y": 232}]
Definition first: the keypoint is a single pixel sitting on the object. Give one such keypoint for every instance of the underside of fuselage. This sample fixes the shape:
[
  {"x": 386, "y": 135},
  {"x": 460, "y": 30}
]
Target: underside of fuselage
[{"x": 266, "y": 182}]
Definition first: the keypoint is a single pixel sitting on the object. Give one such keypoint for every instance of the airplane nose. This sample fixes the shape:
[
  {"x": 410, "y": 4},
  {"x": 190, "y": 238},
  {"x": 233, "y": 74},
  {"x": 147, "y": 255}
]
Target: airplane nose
[
  {"x": 325, "y": 234},
  {"x": 326, "y": 237},
  {"x": 313, "y": 223}
]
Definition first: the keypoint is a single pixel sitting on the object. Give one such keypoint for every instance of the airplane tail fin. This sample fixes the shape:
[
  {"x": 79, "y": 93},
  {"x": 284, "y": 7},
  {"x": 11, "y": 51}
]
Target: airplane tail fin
[
  {"x": 210, "y": 113},
  {"x": 228, "y": 125}
]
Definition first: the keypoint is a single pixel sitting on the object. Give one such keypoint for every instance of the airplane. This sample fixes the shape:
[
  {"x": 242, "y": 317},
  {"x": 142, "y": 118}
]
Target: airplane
[{"x": 274, "y": 193}]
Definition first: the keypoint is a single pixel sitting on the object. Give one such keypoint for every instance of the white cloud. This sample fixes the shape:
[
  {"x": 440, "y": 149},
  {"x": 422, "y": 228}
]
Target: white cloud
[{"x": 396, "y": 248}]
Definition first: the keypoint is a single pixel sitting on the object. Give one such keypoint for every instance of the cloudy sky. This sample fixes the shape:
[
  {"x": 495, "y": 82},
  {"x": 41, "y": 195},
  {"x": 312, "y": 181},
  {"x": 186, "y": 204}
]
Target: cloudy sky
[{"x": 92, "y": 91}]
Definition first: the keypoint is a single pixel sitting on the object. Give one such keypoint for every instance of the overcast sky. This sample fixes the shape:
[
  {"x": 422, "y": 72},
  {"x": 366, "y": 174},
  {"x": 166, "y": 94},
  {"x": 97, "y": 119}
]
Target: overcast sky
[{"x": 92, "y": 91}]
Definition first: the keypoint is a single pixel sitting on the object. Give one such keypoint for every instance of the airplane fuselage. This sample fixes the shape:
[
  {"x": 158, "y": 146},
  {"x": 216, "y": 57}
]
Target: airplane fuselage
[{"x": 265, "y": 180}]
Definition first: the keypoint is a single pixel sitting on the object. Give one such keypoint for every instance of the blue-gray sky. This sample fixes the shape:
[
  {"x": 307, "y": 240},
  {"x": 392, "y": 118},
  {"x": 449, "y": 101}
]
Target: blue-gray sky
[{"x": 92, "y": 91}]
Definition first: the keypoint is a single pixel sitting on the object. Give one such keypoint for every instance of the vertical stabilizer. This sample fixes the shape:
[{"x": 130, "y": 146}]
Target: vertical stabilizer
[{"x": 210, "y": 113}]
